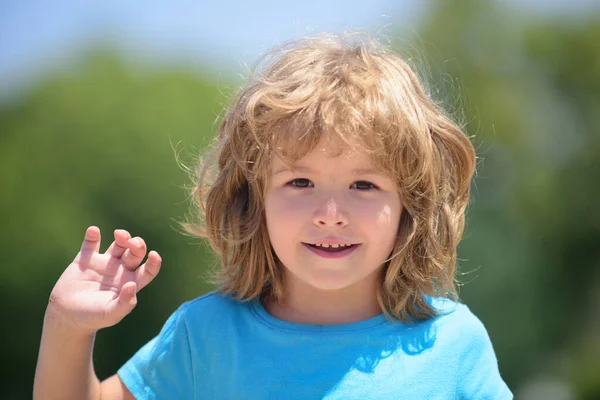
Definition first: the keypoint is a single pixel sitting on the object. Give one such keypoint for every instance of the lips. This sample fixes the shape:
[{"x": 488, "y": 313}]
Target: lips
[
  {"x": 331, "y": 249},
  {"x": 331, "y": 252}
]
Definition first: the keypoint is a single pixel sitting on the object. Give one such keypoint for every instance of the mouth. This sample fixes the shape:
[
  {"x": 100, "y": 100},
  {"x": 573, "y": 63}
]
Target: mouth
[
  {"x": 331, "y": 248},
  {"x": 332, "y": 251}
]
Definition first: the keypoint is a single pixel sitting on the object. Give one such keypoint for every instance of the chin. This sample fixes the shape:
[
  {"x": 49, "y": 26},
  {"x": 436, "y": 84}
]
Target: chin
[{"x": 329, "y": 281}]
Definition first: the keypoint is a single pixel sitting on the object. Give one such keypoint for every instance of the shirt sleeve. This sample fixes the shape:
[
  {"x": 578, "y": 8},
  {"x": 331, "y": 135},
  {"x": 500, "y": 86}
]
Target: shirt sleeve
[
  {"x": 480, "y": 376},
  {"x": 162, "y": 368}
]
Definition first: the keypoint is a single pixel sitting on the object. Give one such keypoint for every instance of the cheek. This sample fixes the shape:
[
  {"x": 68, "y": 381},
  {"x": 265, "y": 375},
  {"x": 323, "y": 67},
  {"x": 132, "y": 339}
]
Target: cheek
[
  {"x": 275, "y": 208},
  {"x": 283, "y": 213},
  {"x": 281, "y": 206},
  {"x": 384, "y": 215},
  {"x": 384, "y": 223}
]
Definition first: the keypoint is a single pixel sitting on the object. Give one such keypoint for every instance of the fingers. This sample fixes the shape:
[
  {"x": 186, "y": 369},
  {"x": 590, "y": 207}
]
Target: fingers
[
  {"x": 91, "y": 241},
  {"x": 148, "y": 271},
  {"x": 127, "y": 300},
  {"x": 118, "y": 247},
  {"x": 134, "y": 254}
]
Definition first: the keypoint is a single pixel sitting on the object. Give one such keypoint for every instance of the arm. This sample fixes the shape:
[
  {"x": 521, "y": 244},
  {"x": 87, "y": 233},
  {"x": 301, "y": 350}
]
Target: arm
[
  {"x": 64, "y": 368},
  {"x": 95, "y": 291}
]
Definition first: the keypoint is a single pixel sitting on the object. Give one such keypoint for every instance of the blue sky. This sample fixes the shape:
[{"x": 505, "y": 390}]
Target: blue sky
[
  {"x": 39, "y": 35},
  {"x": 36, "y": 36}
]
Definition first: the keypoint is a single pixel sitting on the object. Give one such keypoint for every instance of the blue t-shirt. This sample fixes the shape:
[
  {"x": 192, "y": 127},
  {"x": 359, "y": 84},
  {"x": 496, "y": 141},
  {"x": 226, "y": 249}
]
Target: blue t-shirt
[{"x": 217, "y": 348}]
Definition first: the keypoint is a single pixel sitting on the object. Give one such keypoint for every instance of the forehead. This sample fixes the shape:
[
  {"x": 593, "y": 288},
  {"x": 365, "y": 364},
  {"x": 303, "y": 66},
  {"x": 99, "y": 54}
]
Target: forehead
[
  {"x": 330, "y": 147},
  {"x": 325, "y": 153},
  {"x": 364, "y": 152}
]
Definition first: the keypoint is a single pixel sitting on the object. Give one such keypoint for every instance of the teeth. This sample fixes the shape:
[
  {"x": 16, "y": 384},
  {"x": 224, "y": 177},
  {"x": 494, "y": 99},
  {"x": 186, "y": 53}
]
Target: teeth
[{"x": 335, "y": 246}]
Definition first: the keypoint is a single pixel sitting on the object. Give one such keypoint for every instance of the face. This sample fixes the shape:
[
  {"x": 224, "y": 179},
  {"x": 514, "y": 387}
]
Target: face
[{"x": 332, "y": 220}]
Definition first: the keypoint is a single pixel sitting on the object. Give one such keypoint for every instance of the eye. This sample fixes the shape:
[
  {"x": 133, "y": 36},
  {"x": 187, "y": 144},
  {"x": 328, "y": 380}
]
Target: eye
[
  {"x": 301, "y": 183},
  {"x": 364, "y": 185}
]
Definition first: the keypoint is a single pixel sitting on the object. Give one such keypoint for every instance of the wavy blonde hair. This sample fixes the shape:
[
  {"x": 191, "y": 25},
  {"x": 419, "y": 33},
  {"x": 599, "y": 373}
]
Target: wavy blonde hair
[{"x": 353, "y": 88}]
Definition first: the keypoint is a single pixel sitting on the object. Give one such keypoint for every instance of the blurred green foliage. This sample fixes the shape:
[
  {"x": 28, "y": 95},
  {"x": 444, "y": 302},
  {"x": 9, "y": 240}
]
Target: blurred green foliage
[
  {"x": 529, "y": 89},
  {"x": 99, "y": 144}
]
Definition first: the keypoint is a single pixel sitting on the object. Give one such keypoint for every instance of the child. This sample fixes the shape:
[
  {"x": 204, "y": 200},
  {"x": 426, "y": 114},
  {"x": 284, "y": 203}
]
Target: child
[{"x": 336, "y": 207}]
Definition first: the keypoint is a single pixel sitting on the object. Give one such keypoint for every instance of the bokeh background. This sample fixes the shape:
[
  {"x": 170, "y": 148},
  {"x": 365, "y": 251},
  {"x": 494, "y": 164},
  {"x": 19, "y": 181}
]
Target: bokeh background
[{"x": 99, "y": 101}]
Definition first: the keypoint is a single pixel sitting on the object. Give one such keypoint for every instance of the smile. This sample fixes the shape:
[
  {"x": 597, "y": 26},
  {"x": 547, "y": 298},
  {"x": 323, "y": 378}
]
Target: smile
[
  {"x": 329, "y": 246},
  {"x": 331, "y": 251}
]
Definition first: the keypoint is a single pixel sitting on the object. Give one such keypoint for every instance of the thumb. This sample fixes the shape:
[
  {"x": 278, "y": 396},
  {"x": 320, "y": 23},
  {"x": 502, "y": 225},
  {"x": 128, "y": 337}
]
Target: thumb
[{"x": 122, "y": 305}]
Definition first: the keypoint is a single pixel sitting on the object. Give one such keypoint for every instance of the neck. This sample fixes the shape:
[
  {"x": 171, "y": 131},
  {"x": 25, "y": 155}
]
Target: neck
[{"x": 305, "y": 304}]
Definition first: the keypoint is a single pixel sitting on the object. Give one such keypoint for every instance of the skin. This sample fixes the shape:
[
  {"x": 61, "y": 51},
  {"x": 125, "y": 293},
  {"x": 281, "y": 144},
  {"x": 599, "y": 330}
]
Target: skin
[
  {"x": 97, "y": 290},
  {"x": 324, "y": 197}
]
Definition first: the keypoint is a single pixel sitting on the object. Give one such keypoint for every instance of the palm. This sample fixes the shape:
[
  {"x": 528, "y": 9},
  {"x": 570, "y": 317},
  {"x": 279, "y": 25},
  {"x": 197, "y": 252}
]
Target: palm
[{"x": 98, "y": 289}]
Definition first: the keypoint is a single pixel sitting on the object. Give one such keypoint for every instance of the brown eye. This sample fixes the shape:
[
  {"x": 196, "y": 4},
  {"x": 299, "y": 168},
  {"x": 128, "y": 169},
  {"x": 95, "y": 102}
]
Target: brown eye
[
  {"x": 364, "y": 185},
  {"x": 301, "y": 183}
]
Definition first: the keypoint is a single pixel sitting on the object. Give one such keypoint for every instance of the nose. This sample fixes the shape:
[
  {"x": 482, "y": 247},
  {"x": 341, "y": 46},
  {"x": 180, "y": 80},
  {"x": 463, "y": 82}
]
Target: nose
[{"x": 330, "y": 215}]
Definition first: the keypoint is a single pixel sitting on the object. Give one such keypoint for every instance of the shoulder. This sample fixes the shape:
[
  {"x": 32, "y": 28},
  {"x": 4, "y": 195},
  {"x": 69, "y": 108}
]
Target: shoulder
[
  {"x": 459, "y": 331},
  {"x": 466, "y": 342},
  {"x": 212, "y": 310},
  {"x": 457, "y": 321},
  {"x": 212, "y": 301}
]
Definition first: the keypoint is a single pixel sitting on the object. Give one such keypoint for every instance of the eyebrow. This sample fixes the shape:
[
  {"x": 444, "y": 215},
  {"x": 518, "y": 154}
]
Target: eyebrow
[{"x": 358, "y": 171}]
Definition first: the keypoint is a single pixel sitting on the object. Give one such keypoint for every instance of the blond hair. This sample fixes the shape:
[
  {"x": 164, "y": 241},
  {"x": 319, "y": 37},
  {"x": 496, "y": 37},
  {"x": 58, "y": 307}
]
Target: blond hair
[{"x": 353, "y": 88}]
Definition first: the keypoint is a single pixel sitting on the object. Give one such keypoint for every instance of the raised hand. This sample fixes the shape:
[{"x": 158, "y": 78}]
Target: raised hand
[{"x": 98, "y": 289}]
